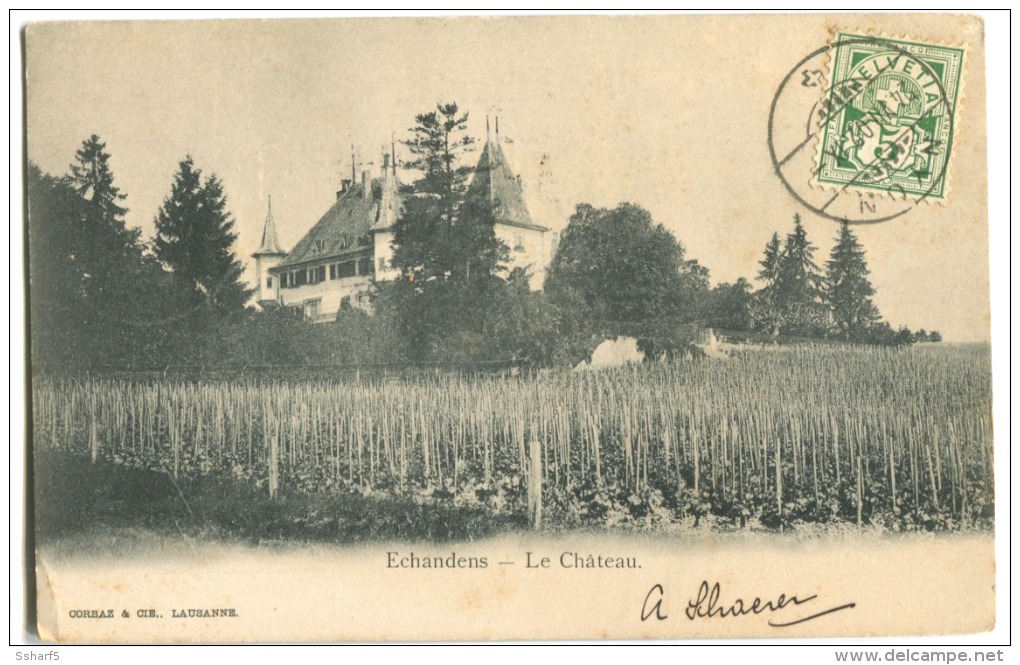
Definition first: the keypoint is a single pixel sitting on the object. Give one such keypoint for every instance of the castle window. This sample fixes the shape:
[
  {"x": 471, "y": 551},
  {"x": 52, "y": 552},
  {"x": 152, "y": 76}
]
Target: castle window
[
  {"x": 320, "y": 245},
  {"x": 518, "y": 243},
  {"x": 332, "y": 271},
  {"x": 347, "y": 269},
  {"x": 345, "y": 240},
  {"x": 269, "y": 282},
  {"x": 382, "y": 263},
  {"x": 365, "y": 266},
  {"x": 345, "y": 303}
]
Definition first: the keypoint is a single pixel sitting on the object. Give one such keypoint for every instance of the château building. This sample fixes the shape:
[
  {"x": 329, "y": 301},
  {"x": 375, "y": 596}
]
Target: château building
[{"x": 335, "y": 264}]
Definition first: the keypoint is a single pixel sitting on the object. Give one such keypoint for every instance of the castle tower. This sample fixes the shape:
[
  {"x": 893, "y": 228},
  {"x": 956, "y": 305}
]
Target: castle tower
[
  {"x": 496, "y": 182},
  {"x": 389, "y": 210},
  {"x": 267, "y": 256}
]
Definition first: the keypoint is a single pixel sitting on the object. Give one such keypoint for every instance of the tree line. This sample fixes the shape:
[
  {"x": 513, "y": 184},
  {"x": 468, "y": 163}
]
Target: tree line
[
  {"x": 799, "y": 299},
  {"x": 100, "y": 294}
]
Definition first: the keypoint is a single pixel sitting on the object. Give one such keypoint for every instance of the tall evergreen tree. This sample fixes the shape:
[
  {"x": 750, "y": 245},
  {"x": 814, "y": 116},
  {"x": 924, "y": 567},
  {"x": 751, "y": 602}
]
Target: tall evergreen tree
[
  {"x": 106, "y": 248},
  {"x": 799, "y": 279},
  {"x": 443, "y": 234},
  {"x": 799, "y": 283},
  {"x": 770, "y": 263},
  {"x": 766, "y": 307},
  {"x": 791, "y": 298},
  {"x": 445, "y": 245},
  {"x": 847, "y": 288},
  {"x": 92, "y": 179},
  {"x": 195, "y": 238},
  {"x": 94, "y": 292}
]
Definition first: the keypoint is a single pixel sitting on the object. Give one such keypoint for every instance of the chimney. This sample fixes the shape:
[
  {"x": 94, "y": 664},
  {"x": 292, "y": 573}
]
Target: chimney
[
  {"x": 385, "y": 165},
  {"x": 366, "y": 186}
]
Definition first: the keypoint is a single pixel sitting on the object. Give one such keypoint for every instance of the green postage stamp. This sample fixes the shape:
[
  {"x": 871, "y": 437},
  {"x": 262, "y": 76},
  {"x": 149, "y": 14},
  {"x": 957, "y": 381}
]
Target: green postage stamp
[{"x": 888, "y": 117}]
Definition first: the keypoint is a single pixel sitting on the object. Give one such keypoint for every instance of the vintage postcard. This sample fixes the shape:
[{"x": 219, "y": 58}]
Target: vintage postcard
[{"x": 509, "y": 328}]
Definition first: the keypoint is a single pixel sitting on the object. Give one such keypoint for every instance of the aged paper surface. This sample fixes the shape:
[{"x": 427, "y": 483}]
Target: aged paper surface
[{"x": 721, "y": 127}]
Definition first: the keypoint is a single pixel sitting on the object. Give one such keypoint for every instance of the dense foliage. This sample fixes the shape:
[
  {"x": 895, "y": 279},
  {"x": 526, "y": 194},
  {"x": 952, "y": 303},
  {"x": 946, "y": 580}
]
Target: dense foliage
[
  {"x": 195, "y": 241},
  {"x": 847, "y": 288},
  {"x": 798, "y": 300},
  {"x": 102, "y": 297},
  {"x": 889, "y": 438},
  {"x": 96, "y": 297},
  {"x": 456, "y": 300},
  {"x": 621, "y": 274}
]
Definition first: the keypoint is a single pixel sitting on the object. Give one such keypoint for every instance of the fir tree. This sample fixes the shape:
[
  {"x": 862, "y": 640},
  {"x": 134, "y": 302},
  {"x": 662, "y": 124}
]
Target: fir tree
[
  {"x": 766, "y": 306},
  {"x": 791, "y": 297},
  {"x": 445, "y": 245},
  {"x": 95, "y": 293},
  {"x": 847, "y": 289},
  {"x": 799, "y": 279},
  {"x": 105, "y": 248},
  {"x": 195, "y": 238},
  {"x": 769, "y": 272},
  {"x": 92, "y": 179},
  {"x": 443, "y": 234},
  {"x": 799, "y": 283}
]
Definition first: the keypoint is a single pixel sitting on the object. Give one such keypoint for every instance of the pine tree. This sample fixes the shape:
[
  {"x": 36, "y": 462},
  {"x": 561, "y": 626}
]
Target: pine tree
[
  {"x": 95, "y": 293},
  {"x": 799, "y": 279},
  {"x": 445, "y": 245},
  {"x": 194, "y": 239},
  {"x": 443, "y": 234},
  {"x": 106, "y": 248},
  {"x": 770, "y": 262},
  {"x": 799, "y": 283},
  {"x": 767, "y": 309},
  {"x": 92, "y": 179},
  {"x": 847, "y": 289}
]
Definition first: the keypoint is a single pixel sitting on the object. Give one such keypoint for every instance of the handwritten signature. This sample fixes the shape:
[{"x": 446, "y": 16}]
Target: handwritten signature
[{"x": 706, "y": 605}]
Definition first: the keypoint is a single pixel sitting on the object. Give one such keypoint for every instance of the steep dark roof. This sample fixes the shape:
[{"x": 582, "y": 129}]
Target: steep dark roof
[
  {"x": 494, "y": 179},
  {"x": 346, "y": 226},
  {"x": 270, "y": 243}
]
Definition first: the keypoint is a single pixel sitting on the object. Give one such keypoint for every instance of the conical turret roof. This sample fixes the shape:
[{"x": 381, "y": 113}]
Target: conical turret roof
[
  {"x": 270, "y": 243},
  {"x": 494, "y": 180}
]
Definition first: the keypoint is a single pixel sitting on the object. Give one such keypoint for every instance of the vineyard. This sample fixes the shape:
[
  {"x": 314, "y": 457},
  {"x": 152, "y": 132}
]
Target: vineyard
[{"x": 898, "y": 439}]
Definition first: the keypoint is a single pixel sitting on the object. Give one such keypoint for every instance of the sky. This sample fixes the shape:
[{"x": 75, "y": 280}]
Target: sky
[{"x": 670, "y": 113}]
